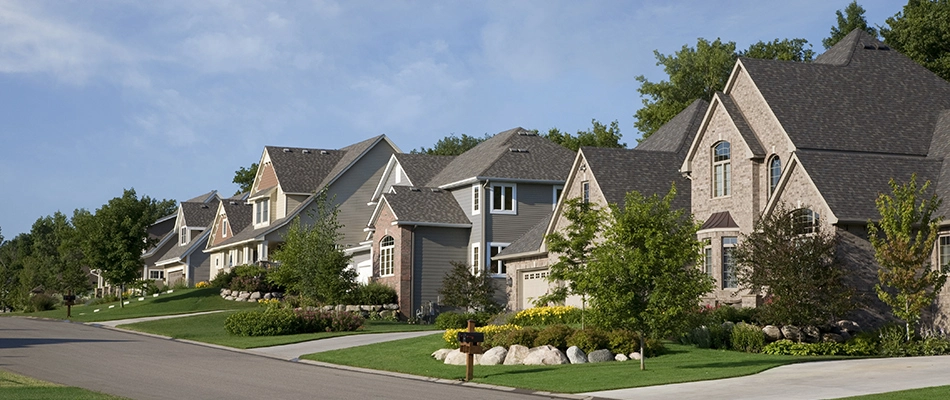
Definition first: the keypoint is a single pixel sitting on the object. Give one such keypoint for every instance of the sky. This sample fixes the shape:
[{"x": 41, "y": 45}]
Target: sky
[{"x": 172, "y": 97}]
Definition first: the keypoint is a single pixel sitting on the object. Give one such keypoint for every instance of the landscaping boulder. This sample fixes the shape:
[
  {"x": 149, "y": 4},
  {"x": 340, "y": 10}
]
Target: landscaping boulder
[
  {"x": 255, "y": 296},
  {"x": 243, "y": 295},
  {"x": 635, "y": 355},
  {"x": 354, "y": 309},
  {"x": 385, "y": 314},
  {"x": 792, "y": 332},
  {"x": 811, "y": 334},
  {"x": 456, "y": 357},
  {"x": 225, "y": 292},
  {"x": 576, "y": 355},
  {"x": 494, "y": 356},
  {"x": 441, "y": 353},
  {"x": 772, "y": 333},
  {"x": 832, "y": 337},
  {"x": 391, "y": 307},
  {"x": 849, "y": 326},
  {"x": 621, "y": 357},
  {"x": 230, "y": 298},
  {"x": 341, "y": 307},
  {"x": 546, "y": 355},
  {"x": 516, "y": 354},
  {"x": 602, "y": 355}
]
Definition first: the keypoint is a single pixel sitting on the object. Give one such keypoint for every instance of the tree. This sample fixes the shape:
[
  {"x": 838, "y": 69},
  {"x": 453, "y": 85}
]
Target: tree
[
  {"x": 574, "y": 247},
  {"x": 244, "y": 178},
  {"x": 114, "y": 238},
  {"x": 55, "y": 258},
  {"x": 851, "y": 19},
  {"x": 697, "y": 73},
  {"x": 12, "y": 254},
  {"x": 907, "y": 283},
  {"x": 452, "y": 145},
  {"x": 311, "y": 263},
  {"x": 643, "y": 277},
  {"x": 793, "y": 265},
  {"x": 598, "y": 136},
  {"x": 922, "y": 33},
  {"x": 461, "y": 288}
]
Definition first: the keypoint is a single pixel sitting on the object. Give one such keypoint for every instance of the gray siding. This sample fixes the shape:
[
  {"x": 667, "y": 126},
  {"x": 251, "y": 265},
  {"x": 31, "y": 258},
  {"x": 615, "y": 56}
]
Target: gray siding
[
  {"x": 534, "y": 203},
  {"x": 464, "y": 197},
  {"x": 434, "y": 250},
  {"x": 200, "y": 267},
  {"x": 293, "y": 201},
  {"x": 355, "y": 188}
]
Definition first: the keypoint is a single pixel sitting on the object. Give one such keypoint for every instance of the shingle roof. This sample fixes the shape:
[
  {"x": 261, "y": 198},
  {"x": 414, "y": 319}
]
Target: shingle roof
[
  {"x": 619, "y": 171},
  {"x": 850, "y": 182},
  {"x": 940, "y": 149},
  {"x": 301, "y": 170},
  {"x": 512, "y": 154},
  {"x": 205, "y": 198},
  {"x": 676, "y": 135},
  {"x": 420, "y": 168},
  {"x": 719, "y": 220},
  {"x": 741, "y": 124},
  {"x": 860, "y": 96},
  {"x": 530, "y": 241},
  {"x": 240, "y": 215},
  {"x": 198, "y": 214},
  {"x": 425, "y": 205},
  {"x": 350, "y": 154}
]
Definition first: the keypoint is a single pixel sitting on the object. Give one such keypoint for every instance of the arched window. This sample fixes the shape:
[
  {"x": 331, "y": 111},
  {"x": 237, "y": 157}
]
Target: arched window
[
  {"x": 722, "y": 169},
  {"x": 386, "y": 246},
  {"x": 805, "y": 220},
  {"x": 775, "y": 172}
]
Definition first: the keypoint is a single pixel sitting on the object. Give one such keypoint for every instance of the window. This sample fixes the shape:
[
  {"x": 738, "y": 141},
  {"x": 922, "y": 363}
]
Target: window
[
  {"x": 476, "y": 260},
  {"x": 805, "y": 220},
  {"x": 944, "y": 251},
  {"x": 224, "y": 228},
  {"x": 496, "y": 267},
  {"x": 262, "y": 211},
  {"x": 503, "y": 199},
  {"x": 775, "y": 172},
  {"x": 183, "y": 236},
  {"x": 386, "y": 247},
  {"x": 557, "y": 195},
  {"x": 722, "y": 170},
  {"x": 230, "y": 258},
  {"x": 585, "y": 186},
  {"x": 729, "y": 263},
  {"x": 708, "y": 257},
  {"x": 156, "y": 274},
  {"x": 476, "y": 189}
]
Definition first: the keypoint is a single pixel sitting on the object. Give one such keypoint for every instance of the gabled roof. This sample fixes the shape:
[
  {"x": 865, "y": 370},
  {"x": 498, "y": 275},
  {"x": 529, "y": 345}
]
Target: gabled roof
[
  {"x": 421, "y": 168},
  {"x": 860, "y": 96},
  {"x": 205, "y": 198},
  {"x": 515, "y": 154},
  {"x": 240, "y": 215},
  {"x": 675, "y": 135},
  {"x": 940, "y": 150},
  {"x": 529, "y": 243},
  {"x": 423, "y": 206},
  {"x": 851, "y": 182},
  {"x": 741, "y": 124},
  {"x": 301, "y": 170},
  {"x": 197, "y": 214},
  {"x": 619, "y": 171}
]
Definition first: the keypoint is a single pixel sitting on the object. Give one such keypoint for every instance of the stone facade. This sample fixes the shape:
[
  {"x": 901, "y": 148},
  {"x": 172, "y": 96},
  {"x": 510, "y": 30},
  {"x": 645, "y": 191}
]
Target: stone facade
[{"x": 401, "y": 279}]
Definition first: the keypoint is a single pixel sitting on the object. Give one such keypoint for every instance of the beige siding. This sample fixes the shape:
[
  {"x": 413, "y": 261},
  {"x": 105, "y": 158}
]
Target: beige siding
[{"x": 268, "y": 178}]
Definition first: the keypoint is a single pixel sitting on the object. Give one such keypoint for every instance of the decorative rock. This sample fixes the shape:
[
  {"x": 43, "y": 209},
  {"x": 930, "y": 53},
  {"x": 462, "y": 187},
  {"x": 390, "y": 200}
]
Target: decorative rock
[
  {"x": 494, "y": 356},
  {"x": 832, "y": 337},
  {"x": 576, "y": 355},
  {"x": 255, "y": 296},
  {"x": 366, "y": 307},
  {"x": 441, "y": 353},
  {"x": 244, "y": 295},
  {"x": 376, "y": 307},
  {"x": 230, "y": 298},
  {"x": 225, "y": 292},
  {"x": 385, "y": 314},
  {"x": 602, "y": 355},
  {"x": 340, "y": 307},
  {"x": 845, "y": 336},
  {"x": 772, "y": 333},
  {"x": 849, "y": 326},
  {"x": 391, "y": 306},
  {"x": 792, "y": 332},
  {"x": 351, "y": 308},
  {"x": 621, "y": 357},
  {"x": 811, "y": 334},
  {"x": 268, "y": 296},
  {"x": 546, "y": 355},
  {"x": 635, "y": 355},
  {"x": 456, "y": 357},
  {"x": 516, "y": 354}
]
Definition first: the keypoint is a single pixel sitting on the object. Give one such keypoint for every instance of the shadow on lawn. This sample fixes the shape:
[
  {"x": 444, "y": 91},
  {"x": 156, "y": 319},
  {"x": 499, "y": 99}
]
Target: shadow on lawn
[{"x": 190, "y": 295}]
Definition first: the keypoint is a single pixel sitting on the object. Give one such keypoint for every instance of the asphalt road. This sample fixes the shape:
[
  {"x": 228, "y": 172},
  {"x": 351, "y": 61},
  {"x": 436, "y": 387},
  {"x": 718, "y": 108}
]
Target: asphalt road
[{"x": 144, "y": 367}]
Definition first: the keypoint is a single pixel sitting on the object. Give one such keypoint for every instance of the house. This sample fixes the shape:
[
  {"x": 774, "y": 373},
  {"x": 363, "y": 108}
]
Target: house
[
  {"x": 602, "y": 176},
  {"x": 430, "y": 211},
  {"x": 173, "y": 259},
  {"x": 822, "y": 138},
  {"x": 285, "y": 187}
]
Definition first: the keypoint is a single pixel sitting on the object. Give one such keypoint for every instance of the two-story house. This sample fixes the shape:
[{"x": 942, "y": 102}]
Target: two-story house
[
  {"x": 176, "y": 257},
  {"x": 285, "y": 187},
  {"x": 434, "y": 210}
]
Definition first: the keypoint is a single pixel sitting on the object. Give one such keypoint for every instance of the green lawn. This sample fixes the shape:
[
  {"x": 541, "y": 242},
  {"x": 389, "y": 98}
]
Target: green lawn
[
  {"x": 181, "y": 301},
  {"x": 679, "y": 364},
  {"x": 938, "y": 392},
  {"x": 209, "y": 328},
  {"x": 15, "y": 387}
]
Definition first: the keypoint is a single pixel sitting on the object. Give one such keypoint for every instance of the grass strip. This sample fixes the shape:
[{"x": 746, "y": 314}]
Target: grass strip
[
  {"x": 19, "y": 387},
  {"x": 936, "y": 392}
]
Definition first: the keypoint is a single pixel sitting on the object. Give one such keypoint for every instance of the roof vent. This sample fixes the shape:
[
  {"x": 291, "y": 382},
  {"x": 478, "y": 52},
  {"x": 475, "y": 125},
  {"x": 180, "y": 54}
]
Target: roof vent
[
  {"x": 286, "y": 150},
  {"x": 514, "y": 150},
  {"x": 876, "y": 46},
  {"x": 324, "y": 152},
  {"x": 436, "y": 190},
  {"x": 528, "y": 133},
  {"x": 306, "y": 151},
  {"x": 415, "y": 189},
  {"x": 233, "y": 203},
  {"x": 205, "y": 206}
]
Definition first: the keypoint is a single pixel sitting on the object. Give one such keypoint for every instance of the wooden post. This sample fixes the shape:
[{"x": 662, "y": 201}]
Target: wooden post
[{"x": 470, "y": 357}]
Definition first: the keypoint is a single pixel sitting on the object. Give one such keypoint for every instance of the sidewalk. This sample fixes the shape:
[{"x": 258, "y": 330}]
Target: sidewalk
[{"x": 118, "y": 322}]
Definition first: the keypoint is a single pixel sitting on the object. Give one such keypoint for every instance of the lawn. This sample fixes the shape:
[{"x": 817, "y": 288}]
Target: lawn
[
  {"x": 14, "y": 386},
  {"x": 209, "y": 328},
  {"x": 182, "y": 301},
  {"x": 938, "y": 392},
  {"x": 679, "y": 364}
]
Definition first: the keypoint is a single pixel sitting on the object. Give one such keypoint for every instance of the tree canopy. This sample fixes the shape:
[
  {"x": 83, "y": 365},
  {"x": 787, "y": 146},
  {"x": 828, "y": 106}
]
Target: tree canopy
[
  {"x": 698, "y": 72},
  {"x": 851, "y": 19},
  {"x": 921, "y": 31},
  {"x": 599, "y": 135},
  {"x": 462, "y": 288},
  {"x": 452, "y": 145},
  {"x": 244, "y": 178}
]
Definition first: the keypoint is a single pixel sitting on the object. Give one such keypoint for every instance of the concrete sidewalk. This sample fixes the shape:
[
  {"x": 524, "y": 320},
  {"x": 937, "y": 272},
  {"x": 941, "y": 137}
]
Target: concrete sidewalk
[
  {"x": 294, "y": 351},
  {"x": 813, "y": 380},
  {"x": 118, "y": 322}
]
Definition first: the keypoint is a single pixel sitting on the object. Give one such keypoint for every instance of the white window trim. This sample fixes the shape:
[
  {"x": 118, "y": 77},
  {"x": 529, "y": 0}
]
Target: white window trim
[
  {"x": 488, "y": 265},
  {"x": 159, "y": 272},
  {"x": 514, "y": 198},
  {"x": 773, "y": 178},
  {"x": 475, "y": 256},
  {"x": 392, "y": 257},
  {"x": 945, "y": 268},
  {"x": 476, "y": 199},
  {"x": 723, "y": 247},
  {"x": 708, "y": 261},
  {"x": 726, "y": 172},
  {"x": 183, "y": 238},
  {"x": 262, "y": 213},
  {"x": 554, "y": 195},
  {"x": 224, "y": 228},
  {"x": 585, "y": 192}
]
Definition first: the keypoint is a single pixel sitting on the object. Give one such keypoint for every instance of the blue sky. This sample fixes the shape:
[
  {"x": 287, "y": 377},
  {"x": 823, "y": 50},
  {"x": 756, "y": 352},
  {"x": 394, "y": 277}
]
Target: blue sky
[{"x": 171, "y": 97}]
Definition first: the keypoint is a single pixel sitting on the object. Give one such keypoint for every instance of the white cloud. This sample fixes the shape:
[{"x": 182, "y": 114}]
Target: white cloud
[{"x": 219, "y": 52}]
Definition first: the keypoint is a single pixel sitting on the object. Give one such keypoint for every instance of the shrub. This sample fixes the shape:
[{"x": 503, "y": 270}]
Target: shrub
[
  {"x": 454, "y": 320},
  {"x": 270, "y": 322},
  {"x": 622, "y": 341},
  {"x": 933, "y": 344},
  {"x": 202, "y": 285},
  {"x": 747, "y": 338},
  {"x": 862, "y": 345},
  {"x": 891, "y": 341},
  {"x": 42, "y": 302},
  {"x": 250, "y": 278},
  {"x": 715, "y": 336},
  {"x": 223, "y": 279},
  {"x": 554, "y": 335},
  {"x": 589, "y": 339},
  {"x": 491, "y": 332},
  {"x": 543, "y": 316},
  {"x": 524, "y": 336},
  {"x": 374, "y": 293},
  {"x": 790, "y": 348}
]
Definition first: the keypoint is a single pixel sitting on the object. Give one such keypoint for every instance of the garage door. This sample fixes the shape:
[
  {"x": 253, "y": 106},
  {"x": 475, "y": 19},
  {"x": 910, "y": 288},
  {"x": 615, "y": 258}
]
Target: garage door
[
  {"x": 174, "y": 277},
  {"x": 534, "y": 284}
]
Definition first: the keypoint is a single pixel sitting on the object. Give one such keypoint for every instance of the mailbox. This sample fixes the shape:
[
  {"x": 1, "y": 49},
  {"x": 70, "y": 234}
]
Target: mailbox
[
  {"x": 471, "y": 337},
  {"x": 69, "y": 299}
]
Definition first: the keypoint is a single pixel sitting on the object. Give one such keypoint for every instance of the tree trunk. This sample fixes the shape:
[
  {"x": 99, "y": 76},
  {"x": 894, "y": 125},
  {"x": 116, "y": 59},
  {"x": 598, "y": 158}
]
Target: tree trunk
[{"x": 643, "y": 354}]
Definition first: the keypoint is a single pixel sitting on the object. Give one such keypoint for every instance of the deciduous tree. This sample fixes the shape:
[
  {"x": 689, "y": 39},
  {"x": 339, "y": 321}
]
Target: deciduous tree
[
  {"x": 921, "y": 31},
  {"x": 792, "y": 263},
  {"x": 907, "y": 281},
  {"x": 452, "y": 145},
  {"x": 244, "y": 178},
  {"x": 599, "y": 135},
  {"x": 574, "y": 247},
  {"x": 851, "y": 19}
]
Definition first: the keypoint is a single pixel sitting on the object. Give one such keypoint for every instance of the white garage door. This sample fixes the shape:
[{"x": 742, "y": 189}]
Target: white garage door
[{"x": 534, "y": 284}]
